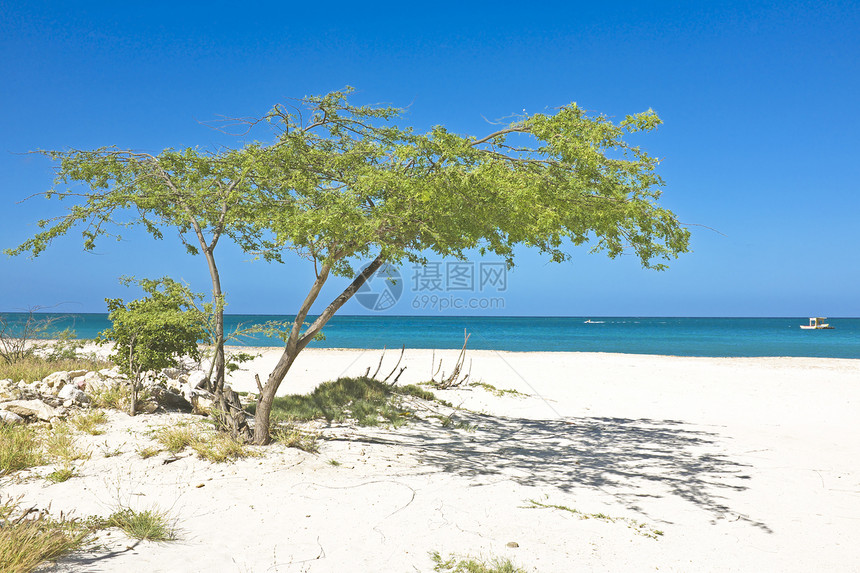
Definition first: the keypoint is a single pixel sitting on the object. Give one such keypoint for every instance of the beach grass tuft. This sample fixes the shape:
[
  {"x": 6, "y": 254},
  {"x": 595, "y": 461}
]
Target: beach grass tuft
[
  {"x": 638, "y": 527},
  {"x": 148, "y": 524},
  {"x": 292, "y": 437},
  {"x": 367, "y": 401},
  {"x": 59, "y": 444},
  {"x": 176, "y": 438},
  {"x": 89, "y": 422},
  {"x": 29, "y": 539},
  {"x": 220, "y": 447},
  {"x": 147, "y": 452},
  {"x": 65, "y": 473},
  {"x": 455, "y": 564},
  {"x": 20, "y": 448}
]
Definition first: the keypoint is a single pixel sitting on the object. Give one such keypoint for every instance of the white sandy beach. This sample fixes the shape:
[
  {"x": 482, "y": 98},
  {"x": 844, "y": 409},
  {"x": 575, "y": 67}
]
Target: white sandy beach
[{"x": 744, "y": 464}]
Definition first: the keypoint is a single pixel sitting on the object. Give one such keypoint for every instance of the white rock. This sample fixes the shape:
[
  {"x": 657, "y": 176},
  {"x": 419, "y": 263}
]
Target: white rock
[
  {"x": 10, "y": 417},
  {"x": 69, "y": 392},
  {"x": 30, "y": 408},
  {"x": 197, "y": 379},
  {"x": 62, "y": 377},
  {"x": 202, "y": 401}
]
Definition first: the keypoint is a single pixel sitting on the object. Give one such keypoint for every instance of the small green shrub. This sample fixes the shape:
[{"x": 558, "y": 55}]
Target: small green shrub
[
  {"x": 149, "y": 524},
  {"x": 63, "y": 474}
]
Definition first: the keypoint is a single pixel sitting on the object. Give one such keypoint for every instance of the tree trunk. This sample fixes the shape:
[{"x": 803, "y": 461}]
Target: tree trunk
[
  {"x": 132, "y": 400},
  {"x": 217, "y": 381},
  {"x": 267, "y": 396},
  {"x": 297, "y": 342},
  {"x": 230, "y": 415}
]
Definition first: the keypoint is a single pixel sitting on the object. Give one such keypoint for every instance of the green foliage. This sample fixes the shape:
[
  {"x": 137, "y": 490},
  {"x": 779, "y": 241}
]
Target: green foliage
[
  {"x": 65, "y": 473},
  {"x": 31, "y": 539},
  {"x": 341, "y": 183},
  {"x": 367, "y": 401},
  {"x": 153, "y": 332},
  {"x": 148, "y": 524},
  {"x": 471, "y": 565}
]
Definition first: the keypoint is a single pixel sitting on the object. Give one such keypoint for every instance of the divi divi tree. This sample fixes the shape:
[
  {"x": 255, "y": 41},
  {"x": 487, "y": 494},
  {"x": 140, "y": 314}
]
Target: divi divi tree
[{"x": 347, "y": 184}]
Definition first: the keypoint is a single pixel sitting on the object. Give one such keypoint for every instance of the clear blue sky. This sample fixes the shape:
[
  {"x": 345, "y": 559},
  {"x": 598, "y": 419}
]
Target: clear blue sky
[{"x": 760, "y": 140}]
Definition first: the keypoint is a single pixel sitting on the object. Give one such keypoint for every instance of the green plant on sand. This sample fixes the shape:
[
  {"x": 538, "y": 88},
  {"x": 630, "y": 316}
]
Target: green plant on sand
[
  {"x": 367, "y": 401},
  {"x": 149, "y": 524},
  {"x": 638, "y": 527},
  {"x": 472, "y": 565},
  {"x": 20, "y": 448}
]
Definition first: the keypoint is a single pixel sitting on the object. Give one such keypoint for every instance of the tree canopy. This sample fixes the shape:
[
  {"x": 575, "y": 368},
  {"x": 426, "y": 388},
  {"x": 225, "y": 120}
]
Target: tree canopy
[{"x": 340, "y": 184}]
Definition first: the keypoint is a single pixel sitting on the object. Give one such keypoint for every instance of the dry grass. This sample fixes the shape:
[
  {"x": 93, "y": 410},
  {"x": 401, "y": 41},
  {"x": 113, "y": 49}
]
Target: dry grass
[
  {"x": 148, "y": 451},
  {"x": 20, "y": 448},
  {"x": 220, "y": 447},
  {"x": 292, "y": 437},
  {"x": 177, "y": 438},
  {"x": 89, "y": 422},
  {"x": 30, "y": 539},
  {"x": 34, "y": 367},
  {"x": 60, "y": 445},
  {"x": 638, "y": 527}
]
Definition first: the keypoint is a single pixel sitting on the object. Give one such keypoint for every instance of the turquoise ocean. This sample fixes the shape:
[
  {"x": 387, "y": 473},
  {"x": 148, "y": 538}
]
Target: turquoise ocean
[{"x": 631, "y": 335}]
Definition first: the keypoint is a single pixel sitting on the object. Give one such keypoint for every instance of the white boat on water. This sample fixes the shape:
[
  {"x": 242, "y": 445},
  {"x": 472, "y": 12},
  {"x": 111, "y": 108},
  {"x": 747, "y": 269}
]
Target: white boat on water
[{"x": 817, "y": 323}]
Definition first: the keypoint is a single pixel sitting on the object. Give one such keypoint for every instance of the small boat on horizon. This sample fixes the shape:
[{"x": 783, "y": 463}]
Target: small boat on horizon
[
  {"x": 817, "y": 323},
  {"x": 589, "y": 321}
]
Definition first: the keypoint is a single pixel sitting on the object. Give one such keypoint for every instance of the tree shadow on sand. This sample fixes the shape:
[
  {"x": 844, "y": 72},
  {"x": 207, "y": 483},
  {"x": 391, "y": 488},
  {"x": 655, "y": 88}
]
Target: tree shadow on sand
[{"x": 622, "y": 457}]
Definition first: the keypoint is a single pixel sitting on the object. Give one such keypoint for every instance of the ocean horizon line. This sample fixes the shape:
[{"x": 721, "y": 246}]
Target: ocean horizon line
[{"x": 485, "y": 316}]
